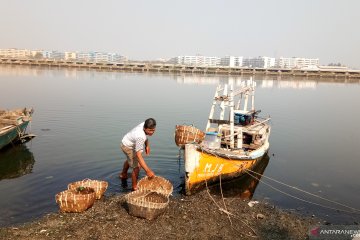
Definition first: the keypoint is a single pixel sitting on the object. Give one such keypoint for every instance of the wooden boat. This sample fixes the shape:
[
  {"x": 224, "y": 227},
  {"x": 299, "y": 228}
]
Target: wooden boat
[
  {"x": 13, "y": 126},
  {"x": 232, "y": 145},
  {"x": 242, "y": 187}
]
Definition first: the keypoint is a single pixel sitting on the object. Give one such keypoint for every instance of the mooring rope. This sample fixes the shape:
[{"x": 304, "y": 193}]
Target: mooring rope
[
  {"x": 229, "y": 213},
  {"x": 300, "y": 199},
  {"x": 355, "y": 210},
  {"x": 301, "y": 190}
]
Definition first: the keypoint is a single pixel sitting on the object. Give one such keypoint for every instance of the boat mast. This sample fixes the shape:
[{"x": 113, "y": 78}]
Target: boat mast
[
  {"x": 246, "y": 99},
  {"x": 239, "y": 102},
  {"x": 231, "y": 115},
  {"x": 211, "y": 114},
  {"x": 223, "y": 104},
  {"x": 253, "y": 84}
]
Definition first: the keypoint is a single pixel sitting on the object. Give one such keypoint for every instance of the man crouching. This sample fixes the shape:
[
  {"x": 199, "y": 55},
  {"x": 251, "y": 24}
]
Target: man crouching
[{"x": 133, "y": 146}]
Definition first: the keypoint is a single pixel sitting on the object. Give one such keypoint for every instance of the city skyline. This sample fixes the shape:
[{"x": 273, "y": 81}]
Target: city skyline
[
  {"x": 145, "y": 30},
  {"x": 227, "y": 61}
]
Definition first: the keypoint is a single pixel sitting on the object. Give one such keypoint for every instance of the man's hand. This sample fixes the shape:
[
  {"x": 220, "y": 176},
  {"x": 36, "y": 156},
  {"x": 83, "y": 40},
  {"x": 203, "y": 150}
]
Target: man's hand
[
  {"x": 150, "y": 174},
  {"x": 147, "y": 150}
]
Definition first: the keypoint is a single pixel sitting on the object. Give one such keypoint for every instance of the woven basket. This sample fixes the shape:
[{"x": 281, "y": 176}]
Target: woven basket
[
  {"x": 156, "y": 184},
  {"x": 146, "y": 204},
  {"x": 99, "y": 186},
  {"x": 73, "y": 201},
  {"x": 187, "y": 134}
]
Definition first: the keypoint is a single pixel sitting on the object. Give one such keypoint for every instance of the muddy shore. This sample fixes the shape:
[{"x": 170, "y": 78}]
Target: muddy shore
[{"x": 187, "y": 217}]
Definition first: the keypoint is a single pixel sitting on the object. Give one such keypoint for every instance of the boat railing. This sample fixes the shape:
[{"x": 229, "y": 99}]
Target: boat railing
[{"x": 259, "y": 123}]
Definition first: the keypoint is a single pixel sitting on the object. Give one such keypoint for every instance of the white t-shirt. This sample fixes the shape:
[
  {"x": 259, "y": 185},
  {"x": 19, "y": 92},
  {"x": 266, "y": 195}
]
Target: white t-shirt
[{"x": 135, "y": 139}]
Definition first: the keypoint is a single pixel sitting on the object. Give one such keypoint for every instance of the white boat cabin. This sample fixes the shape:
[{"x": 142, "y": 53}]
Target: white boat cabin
[{"x": 242, "y": 128}]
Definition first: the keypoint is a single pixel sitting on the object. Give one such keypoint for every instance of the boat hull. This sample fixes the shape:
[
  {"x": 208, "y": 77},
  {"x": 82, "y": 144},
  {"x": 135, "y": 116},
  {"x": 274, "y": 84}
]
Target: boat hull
[
  {"x": 12, "y": 134},
  {"x": 206, "y": 168}
]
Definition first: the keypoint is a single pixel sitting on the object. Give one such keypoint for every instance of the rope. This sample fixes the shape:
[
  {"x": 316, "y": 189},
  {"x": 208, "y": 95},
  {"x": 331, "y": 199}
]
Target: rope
[
  {"x": 298, "y": 189},
  {"x": 355, "y": 210},
  {"x": 222, "y": 197},
  {"x": 227, "y": 212},
  {"x": 300, "y": 199}
]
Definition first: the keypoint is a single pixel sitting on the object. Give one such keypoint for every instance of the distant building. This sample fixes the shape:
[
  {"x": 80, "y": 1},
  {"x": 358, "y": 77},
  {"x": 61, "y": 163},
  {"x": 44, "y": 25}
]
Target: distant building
[
  {"x": 56, "y": 55},
  {"x": 100, "y": 57},
  {"x": 115, "y": 57},
  {"x": 259, "y": 62},
  {"x": 37, "y": 53},
  {"x": 296, "y": 62},
  {"x": 231, "y": 61},
  {"x": 15, "y": 53},
  {"x": 46, "y": 54},
  {"x": 70, "y": 55},
  {"x": 195, "y": 60},
  {"x": 86, "y": 56}
]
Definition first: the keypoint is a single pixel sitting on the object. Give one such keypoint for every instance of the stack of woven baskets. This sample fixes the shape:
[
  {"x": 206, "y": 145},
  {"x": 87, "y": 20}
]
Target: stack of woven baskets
[
  {"x": 80, "y": 195},
  {"x": 151, "y": 198},
  {"x": 188, "y": 134}
]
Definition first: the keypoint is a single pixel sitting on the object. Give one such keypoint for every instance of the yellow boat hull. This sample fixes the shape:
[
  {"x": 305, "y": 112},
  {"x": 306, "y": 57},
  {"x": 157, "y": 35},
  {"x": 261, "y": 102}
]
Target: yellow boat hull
[{"x": 204, "y": 168}]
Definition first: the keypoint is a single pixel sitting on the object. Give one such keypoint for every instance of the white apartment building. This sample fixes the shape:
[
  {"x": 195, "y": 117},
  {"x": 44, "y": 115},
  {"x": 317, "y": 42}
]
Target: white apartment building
[
  {"x": 259, "y": 62},
  {"x": 85, "y": 56},
  {"x": 196, "y": 60},
  {"x": 100, "y": 57},
  {"x": 58, "y": 55},
  {"x": 36, "y": 53},
  {"x": 53, "y": 55},
  {"x": 115, "y": 57},
  {"x": 15, "y": 53},
  {"x": 70, "y": 55},
  {"x": 231, "y": 61},
  {"x": 296, "y": 62}
]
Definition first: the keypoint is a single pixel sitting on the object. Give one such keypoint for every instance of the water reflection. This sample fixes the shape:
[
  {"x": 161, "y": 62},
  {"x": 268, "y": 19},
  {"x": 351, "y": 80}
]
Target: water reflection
[
  {"x": 243, "y": 187},
  {"x": 288, "y": 84},
  {"x": 15, "y": 162},
  {"x": 277, "y": 83}
]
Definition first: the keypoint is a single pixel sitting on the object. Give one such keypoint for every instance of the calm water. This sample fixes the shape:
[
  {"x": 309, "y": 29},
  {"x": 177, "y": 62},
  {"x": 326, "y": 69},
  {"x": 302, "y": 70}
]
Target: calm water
[{"x": 81, "y": 116}]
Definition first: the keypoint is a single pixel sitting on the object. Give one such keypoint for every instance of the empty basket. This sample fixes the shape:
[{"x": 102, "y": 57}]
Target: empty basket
[
  {"x": 156, "y": 184},
  {"x": 75, "y": 201},
  {"x": 98, "y": 186},
  {"x": 146, "y": 204},
  {"x": 188, "y": 134}
]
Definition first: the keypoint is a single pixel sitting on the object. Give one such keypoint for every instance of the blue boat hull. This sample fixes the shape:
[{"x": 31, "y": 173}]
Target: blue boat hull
[{"x": 12, "y": 135}]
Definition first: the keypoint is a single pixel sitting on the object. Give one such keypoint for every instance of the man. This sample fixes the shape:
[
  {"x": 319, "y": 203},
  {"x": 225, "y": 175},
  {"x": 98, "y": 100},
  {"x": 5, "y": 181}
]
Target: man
[{"x": 133, "y": 147}]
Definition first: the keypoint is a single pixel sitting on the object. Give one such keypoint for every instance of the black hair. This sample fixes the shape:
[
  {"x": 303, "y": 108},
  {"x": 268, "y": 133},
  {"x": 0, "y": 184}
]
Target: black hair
[{"x": 150, "y": 123}]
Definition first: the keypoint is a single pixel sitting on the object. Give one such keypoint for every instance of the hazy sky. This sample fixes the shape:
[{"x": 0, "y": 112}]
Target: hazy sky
[{"x": 151, "y": 29}]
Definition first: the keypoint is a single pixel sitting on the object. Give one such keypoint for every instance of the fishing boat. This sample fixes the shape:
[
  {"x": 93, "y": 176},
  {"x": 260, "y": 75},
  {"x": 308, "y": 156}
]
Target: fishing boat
[
  {"x": 233, "y": 144},
  {"x": 13, "y": 125}
]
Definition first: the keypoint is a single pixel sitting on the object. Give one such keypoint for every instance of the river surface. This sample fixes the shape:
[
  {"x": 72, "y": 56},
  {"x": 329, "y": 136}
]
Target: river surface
[{"x": 81, "y": 116}]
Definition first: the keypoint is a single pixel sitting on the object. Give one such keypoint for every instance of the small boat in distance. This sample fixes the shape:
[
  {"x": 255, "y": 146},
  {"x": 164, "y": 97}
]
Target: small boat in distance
[
  {"x": 232, "y": 145},
  {"x": 13, "y": 125}
]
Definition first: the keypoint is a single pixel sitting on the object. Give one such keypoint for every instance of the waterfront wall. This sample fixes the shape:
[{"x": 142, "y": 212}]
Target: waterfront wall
[{"x": 174, "y": 68}]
